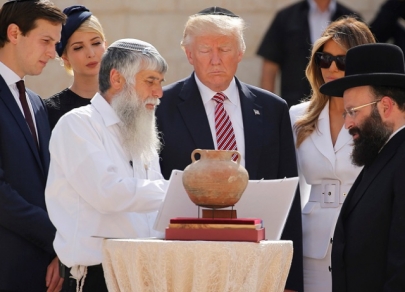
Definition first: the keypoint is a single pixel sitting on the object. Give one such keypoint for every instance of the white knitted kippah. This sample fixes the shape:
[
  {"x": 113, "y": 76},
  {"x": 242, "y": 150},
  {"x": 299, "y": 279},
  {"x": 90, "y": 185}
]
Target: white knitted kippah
[{"x": 134, "y": 45}]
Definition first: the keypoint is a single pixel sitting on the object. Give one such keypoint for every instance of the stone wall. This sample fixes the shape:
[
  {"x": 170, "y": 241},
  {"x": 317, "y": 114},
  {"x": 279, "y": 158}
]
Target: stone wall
[{"x": 161, "y": 23}]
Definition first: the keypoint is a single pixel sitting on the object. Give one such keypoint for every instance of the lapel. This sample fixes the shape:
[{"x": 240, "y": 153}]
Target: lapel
[
  {"x": 192, "y": 110},
  {"x": 252, "y": 116},
  {"x": 15, "y": 111},
  {"x": 43, "y": 129},
  {"x": 369, "y": 173},
  {"x": 343, "y": 138},
  {"x": 321, "y": 136}
]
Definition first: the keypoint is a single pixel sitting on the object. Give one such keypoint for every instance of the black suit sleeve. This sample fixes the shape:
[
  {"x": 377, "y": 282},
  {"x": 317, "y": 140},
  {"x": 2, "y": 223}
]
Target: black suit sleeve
[
  {"x": 384, "y": 25},
  {"x": 293, "y": 227},
  {"x": 27, "y": 220}
]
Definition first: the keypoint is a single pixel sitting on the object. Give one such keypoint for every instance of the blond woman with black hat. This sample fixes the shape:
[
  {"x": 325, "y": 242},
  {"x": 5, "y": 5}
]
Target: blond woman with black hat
[{"x": 81, "y": 47}]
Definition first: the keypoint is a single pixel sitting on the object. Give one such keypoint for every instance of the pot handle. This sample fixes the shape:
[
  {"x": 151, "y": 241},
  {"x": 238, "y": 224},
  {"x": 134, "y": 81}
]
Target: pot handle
[
  {"x": 196, "y": 151},
  {"x": 239, "y": 157}
]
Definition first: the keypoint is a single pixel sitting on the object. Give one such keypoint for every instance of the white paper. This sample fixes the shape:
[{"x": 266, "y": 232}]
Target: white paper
[{"x": 269, "y": 200}]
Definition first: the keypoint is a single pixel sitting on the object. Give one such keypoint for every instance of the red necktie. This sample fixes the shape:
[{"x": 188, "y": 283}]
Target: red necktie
[
  {"x": 26, "y": 110},
  {"x": 223, "y": 126}
]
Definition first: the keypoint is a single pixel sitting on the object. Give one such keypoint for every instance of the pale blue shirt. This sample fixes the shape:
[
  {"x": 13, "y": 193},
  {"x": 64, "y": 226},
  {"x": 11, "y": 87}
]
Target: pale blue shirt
[{"x": 318, "y": 20}]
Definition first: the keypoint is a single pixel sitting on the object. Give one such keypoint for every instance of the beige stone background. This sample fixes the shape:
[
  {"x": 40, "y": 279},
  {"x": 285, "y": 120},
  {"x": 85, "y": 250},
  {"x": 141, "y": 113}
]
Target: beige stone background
[{"x": 161, "y": 22}]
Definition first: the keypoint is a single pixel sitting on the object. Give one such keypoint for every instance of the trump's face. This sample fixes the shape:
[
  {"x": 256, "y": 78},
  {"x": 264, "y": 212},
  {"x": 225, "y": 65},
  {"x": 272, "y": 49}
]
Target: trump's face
[{"x": 215, "y": 59}]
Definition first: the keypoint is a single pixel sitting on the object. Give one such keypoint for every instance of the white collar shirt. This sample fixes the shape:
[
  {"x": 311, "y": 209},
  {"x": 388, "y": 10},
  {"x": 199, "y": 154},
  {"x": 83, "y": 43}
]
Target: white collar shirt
[
  {"x": 233, "y": 109},
  {"x": 392, "y": 135},
  {"x": 92, "y": 189},
  {"x": 11, "y": 79},
  {"x": 318, "y": 20}
]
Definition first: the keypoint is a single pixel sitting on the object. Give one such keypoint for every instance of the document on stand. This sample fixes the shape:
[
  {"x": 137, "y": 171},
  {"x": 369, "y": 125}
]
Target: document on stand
[{"x": 269, "y": 200}]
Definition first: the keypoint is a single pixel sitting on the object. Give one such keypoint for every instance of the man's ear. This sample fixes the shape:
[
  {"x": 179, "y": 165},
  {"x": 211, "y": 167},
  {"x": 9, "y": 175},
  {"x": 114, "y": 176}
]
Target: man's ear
[
  {"x": 12, "y": 33},
  {"x": 117, "y": 80},
  {"x": 388, "y": 105},
  {"x": 189, "y": 56}
]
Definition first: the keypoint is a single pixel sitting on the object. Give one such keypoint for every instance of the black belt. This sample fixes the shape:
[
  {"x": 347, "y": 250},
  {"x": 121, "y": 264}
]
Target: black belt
[{"x": 63, "y": 270}]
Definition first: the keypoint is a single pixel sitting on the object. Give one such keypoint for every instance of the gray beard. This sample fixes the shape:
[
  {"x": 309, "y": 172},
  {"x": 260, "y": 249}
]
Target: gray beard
[{"x": 138, "y": 129}]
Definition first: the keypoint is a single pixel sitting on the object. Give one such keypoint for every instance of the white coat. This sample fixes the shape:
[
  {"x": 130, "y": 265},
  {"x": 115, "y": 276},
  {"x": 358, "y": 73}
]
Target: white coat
[{"x": 327, "y": 168}]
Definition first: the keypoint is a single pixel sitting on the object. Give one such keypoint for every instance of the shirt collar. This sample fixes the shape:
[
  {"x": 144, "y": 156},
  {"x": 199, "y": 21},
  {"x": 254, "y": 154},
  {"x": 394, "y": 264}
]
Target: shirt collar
[
  {"x": 207, "y": 94},
  {"x": 393, "y": 134},
  {"x": 314, "y": 7},
  {"x": 9, "y": 76},
  {"x": 106, "y": 111}
]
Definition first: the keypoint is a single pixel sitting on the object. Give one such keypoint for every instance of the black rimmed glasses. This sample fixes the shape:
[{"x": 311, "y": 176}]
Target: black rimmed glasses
[
  {"x": 324, "y": 60},
  {"x": 352, "y": 111}
]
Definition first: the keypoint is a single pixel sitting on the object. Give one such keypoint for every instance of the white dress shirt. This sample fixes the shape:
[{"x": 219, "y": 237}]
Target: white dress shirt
[
  {"x": 92, "y": 189},
  {"x": 233, "y": 109},
  {"x": 11, "y": 79}
]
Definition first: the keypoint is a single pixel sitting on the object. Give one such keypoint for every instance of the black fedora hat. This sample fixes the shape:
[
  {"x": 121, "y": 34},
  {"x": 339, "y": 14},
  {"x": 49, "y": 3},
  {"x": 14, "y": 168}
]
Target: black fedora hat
[{"x": 370, "y": 64}]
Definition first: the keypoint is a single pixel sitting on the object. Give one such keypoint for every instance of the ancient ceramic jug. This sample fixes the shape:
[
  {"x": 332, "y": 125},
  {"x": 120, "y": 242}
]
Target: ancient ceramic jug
[{"x": 215, "y": 180}]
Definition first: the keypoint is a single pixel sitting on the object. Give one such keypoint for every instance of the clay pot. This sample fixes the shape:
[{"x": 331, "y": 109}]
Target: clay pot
[{"x": 215, "y": 180}]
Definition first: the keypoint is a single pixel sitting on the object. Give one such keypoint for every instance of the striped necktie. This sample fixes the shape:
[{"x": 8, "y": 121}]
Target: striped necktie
[{"x": 223, "y": 126}]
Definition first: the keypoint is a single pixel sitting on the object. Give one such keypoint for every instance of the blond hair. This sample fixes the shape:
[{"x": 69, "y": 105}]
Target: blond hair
[
  {"x": 198, "y": 25},
  {"x": 92, "y": 24}
]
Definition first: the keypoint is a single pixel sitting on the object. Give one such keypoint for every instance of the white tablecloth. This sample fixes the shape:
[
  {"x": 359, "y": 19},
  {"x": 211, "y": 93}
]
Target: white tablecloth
[{"x": 176, "y": 266}]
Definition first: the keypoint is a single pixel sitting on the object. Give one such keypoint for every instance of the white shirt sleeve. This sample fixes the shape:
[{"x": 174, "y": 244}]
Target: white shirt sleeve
[{"x": 87, "y": 160}]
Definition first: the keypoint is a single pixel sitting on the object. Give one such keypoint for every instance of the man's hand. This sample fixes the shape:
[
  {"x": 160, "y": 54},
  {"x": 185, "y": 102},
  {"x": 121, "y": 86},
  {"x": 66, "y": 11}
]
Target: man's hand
[{"x": 53, "y": 280}]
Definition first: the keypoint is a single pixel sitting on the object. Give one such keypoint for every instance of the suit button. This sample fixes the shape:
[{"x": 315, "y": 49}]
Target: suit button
[
  {"x": 344, "y": 194},
  {"x": 330, "y": 269},
  {"x": 331, "y": 240}
]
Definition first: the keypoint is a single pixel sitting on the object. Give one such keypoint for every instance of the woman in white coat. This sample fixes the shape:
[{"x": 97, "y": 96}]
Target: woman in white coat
[{"x": 323, "y": 148}]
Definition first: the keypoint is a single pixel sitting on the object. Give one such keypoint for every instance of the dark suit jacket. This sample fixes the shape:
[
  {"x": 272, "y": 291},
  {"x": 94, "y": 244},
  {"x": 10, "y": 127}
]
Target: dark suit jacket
[
  {"x": 385, "y": 24},
  {"x": 269, "y": 146},
  {"x": 287, "y": 42},
  {"x": 368, "y": 251},
  {"x": 26, "y": 233}
]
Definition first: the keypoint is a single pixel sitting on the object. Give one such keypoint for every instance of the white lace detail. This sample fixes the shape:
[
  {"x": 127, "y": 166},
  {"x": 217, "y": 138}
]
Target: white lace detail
[{"x": 158, "y": 265}]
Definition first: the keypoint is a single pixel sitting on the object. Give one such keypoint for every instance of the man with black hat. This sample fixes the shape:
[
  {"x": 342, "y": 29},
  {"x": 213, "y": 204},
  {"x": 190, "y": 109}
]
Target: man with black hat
[
  {"x": 368, "y": 252},
  {"x": 212, "y": 109},
  {"x": 29, "y": 30}
]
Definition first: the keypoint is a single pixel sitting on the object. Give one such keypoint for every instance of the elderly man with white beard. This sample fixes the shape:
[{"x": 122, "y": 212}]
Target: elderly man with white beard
[{"x": 104, "y": 178}]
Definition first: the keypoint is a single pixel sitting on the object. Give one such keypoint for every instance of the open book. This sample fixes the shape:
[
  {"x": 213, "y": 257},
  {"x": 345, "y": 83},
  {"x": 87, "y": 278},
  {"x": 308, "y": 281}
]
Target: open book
[{"x": 269, "y": 200}]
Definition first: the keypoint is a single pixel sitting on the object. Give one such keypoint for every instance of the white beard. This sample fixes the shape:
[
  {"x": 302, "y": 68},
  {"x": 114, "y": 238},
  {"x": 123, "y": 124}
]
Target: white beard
[{"x": 138, "y": 125}]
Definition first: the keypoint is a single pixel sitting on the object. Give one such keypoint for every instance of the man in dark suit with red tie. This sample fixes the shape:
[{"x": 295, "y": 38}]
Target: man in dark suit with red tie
[
  {"x": 257, "y": 122},
  {"x": 368, "y": 251},
  {"x": 29, "y": 30}
]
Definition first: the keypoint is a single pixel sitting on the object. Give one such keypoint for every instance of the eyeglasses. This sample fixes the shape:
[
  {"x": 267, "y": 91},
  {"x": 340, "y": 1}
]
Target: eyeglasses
[
  {"x": 352, "y": 111},
  {"x": 324, "y": 60}
]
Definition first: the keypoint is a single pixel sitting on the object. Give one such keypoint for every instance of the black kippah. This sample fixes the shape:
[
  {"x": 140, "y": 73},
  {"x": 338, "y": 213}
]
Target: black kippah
[{"x": 215, "y": 10}]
